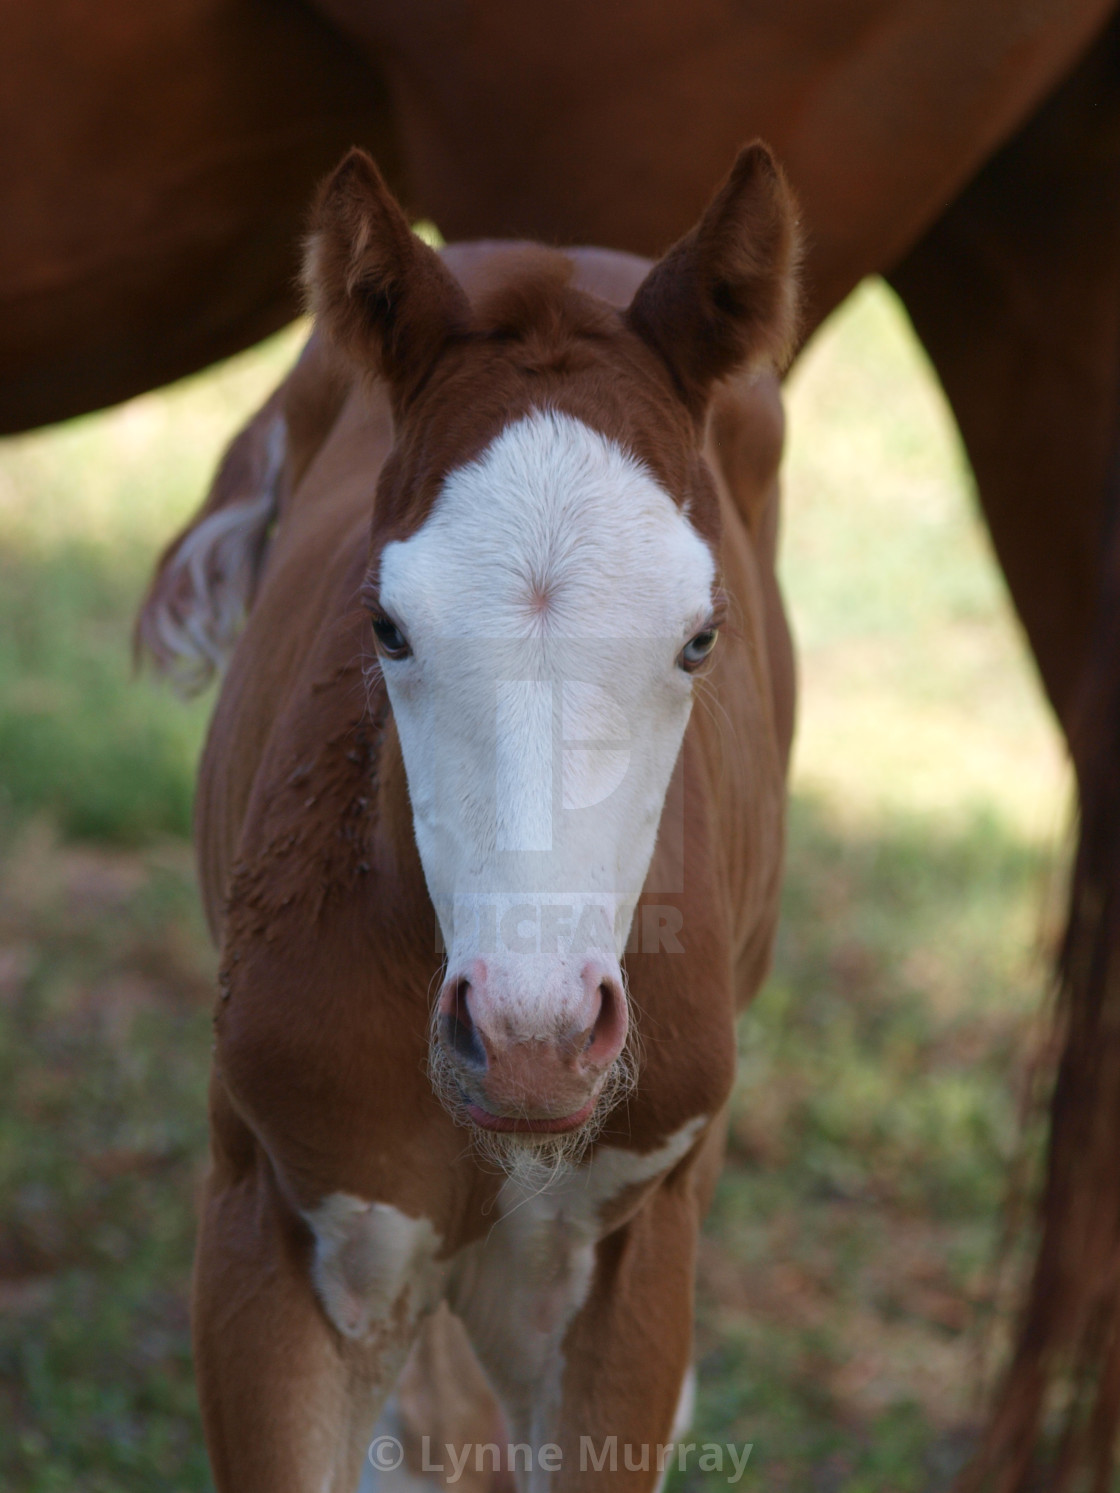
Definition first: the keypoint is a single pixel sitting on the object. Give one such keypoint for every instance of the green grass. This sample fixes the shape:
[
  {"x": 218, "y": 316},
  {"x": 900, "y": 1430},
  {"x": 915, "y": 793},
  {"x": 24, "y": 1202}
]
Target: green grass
[
  {"x": 847, "y": 1278},
  {"x": 104, "y": 1039}
]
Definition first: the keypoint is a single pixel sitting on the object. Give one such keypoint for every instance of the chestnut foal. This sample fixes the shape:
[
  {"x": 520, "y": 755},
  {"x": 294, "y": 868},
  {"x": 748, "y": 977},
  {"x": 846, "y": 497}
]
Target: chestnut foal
[{"x": 489, "y": 890}]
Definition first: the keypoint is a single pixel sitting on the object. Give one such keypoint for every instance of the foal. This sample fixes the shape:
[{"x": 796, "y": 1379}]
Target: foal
[{"x": 506, "y": 524}]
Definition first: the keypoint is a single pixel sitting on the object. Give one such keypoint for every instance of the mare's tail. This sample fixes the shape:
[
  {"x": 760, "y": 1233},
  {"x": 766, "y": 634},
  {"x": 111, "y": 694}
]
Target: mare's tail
[{"x": 207, "y": 577}]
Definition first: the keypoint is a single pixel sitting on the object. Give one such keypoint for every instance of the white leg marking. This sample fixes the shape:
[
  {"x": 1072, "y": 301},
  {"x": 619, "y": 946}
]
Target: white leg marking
[
  {"x": 518, "y": 1290},
  {"x": 686, "y": 1405}
]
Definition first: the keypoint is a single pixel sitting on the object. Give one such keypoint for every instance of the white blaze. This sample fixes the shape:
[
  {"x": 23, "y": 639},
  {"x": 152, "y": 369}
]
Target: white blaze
[{"x": 546, "y": 600}]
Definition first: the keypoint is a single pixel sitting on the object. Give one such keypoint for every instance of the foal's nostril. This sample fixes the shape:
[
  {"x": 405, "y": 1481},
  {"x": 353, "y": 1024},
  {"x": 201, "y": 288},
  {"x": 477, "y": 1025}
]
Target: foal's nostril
[
  {"x": 605, "y": 999},
  {"x": 608, "y": 1034},
  {"x": 456, "y": 1028}
]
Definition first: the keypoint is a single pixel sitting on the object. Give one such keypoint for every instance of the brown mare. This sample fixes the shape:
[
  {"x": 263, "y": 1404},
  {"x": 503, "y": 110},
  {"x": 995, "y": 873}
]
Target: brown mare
[
  {"x": 518, "y": 513},
  {"x": 156, "y": 166}
]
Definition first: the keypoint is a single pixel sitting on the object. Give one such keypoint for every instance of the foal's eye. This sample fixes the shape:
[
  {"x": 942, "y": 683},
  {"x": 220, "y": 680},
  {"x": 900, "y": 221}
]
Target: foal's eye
[
  {"x": 391, "y": 641},
  {"x": 697, "y": 649}
]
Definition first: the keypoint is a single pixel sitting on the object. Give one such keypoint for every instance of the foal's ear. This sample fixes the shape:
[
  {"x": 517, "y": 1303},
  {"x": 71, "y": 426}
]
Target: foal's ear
[
  {"x": 725, "y": 296},
  {"x": 376, "y": 290}
]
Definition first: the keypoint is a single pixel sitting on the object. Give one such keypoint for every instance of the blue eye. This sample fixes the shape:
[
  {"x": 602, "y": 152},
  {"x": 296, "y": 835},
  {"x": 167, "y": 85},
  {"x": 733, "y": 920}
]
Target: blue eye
[
  {"x": 390, "y": 640},
  {"x": 697, "y": 649}
]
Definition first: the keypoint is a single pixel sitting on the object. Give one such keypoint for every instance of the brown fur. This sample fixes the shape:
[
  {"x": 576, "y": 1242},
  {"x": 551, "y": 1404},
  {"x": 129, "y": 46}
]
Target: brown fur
[
  {"x": 158, "y": 160},
  {"x": 971, "y": 147},
  {"x": 1016, "y": 293},
  {"x": 311, "y": 874},
  {"x": 384, "y": 298},
  {"x": 722, "y": 299}
]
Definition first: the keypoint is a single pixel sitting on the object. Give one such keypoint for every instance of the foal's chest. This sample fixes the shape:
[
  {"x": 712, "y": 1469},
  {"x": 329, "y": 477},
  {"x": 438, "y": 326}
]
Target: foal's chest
[{"x": 377, "y": 1270}]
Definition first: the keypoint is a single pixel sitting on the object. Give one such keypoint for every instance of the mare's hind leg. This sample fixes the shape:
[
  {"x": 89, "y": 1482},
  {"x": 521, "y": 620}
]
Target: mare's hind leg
[
  {"x": 206, "y": 579},
  {"x": 287, "y": 1401},
  {"x": 1016, "y": 294}
]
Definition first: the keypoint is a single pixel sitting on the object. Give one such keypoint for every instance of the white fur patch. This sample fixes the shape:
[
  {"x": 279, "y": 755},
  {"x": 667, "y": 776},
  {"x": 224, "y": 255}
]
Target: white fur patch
[
  {"x": 686, "y": 1406},
  {"x": 518, "y": 1290},
  {"x": 546, "y": 600},
  {"x": 369, "y": 1259}
]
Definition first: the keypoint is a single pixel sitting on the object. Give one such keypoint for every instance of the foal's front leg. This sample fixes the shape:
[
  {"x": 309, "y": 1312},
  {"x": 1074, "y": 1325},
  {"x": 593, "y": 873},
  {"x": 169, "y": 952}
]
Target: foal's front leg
[
  {"x": 287, "y": 1399},
  {"x": 628, "y": 1351},
  {"x": 585, "y": 1343}
]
